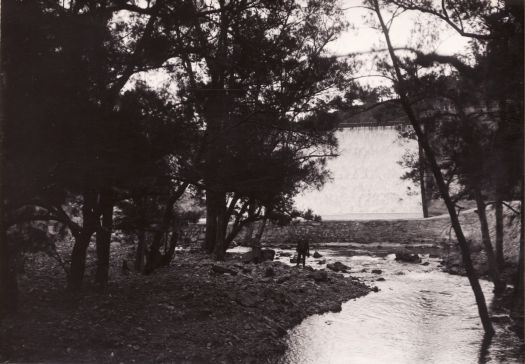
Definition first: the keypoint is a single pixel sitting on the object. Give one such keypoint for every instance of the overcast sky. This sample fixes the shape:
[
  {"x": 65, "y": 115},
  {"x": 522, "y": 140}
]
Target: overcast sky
[{"x": 363, "y": 38}]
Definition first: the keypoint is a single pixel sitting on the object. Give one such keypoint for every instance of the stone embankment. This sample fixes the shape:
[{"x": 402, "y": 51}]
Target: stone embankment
[{"x": 435, "y": 231}]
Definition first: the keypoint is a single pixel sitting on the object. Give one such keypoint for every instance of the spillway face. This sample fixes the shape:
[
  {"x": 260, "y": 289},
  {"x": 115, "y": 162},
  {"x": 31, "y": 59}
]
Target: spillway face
[{"x": 366, "y": 177}]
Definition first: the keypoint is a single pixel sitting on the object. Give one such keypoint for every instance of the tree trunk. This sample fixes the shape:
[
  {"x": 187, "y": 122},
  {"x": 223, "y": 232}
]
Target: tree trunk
[
  {"x": 78, "y": 255},
  {"x": 500, "y": 259},
  {"x": 422, "y": 182},
  {"x": 211, "y": 222},
  {"x": 499, "y": 285},
  {"x": 141, "y": 249},
  {"x": 256, "y": 243},
  {"x": 220, "y": 239},
  {"x": 248, "y": 236},
  {"x": 168, "y": 253},
  {"x": 154, "y": 257},
  {"x": 104, "y": 238},
  {"x": 519, "y": 291},
  {"x": 442, "y": 187},
  {"x": 8, "y": 278}
]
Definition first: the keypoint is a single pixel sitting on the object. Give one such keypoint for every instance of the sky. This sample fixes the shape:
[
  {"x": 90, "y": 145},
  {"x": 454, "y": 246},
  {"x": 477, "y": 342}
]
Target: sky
[{"x": 363, "y": 38}]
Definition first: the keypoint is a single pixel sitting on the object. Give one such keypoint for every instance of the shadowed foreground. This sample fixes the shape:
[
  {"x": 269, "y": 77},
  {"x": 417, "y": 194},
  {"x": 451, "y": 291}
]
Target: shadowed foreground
[{"x": 183, "y": 313}]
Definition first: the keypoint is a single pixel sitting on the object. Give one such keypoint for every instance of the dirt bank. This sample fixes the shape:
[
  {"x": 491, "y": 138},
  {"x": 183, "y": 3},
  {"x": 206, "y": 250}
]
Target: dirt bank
[{"x": 186, "y": 313}]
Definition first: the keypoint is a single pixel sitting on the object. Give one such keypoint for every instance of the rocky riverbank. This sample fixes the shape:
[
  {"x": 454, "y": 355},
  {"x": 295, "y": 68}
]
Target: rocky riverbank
[
  {"x": 190, "y": 312},
  {"x": 452, "y": 259}
]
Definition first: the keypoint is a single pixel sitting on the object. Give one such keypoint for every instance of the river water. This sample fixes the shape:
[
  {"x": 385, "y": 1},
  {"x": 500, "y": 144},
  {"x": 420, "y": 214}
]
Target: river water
[{"x": 420, "y": 315}]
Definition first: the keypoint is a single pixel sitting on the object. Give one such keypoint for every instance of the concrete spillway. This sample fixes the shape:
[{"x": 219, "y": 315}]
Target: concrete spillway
[{"x": 366, "y": 178}]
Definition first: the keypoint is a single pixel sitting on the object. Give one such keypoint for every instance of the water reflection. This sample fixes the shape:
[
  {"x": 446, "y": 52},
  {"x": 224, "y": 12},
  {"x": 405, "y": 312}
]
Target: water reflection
[{"x": 420, "y": 315}]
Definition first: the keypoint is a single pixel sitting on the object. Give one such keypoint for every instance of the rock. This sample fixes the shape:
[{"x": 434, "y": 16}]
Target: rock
[
  {"x": 251, "y": 257},
  {"x": 337, "y": 267},
  {"x": 267, "y": 254},
  {"x": 408, "y": 257},
  {"x": 334, "y": 307},
  {"x": 269, "y": 272},
  {"x": 425, "y": 263},
  {"x": 317, "y": 255},
  {"x": 221, "y": 270},
  {"x": 432, "y": 255},
  {"x": 377, "y": 271},
  {"x": 375, "y": 289},
  {"x": 247, "y": 257},
  {"x": 285, "y": 254},
  {"x": 293, "y": 259},
  {"x": 321, "y": 261},
  {"x": 320, "y": 276},
  {"x": 380, "y": 279},
  {"x": 283, "y": 278}
]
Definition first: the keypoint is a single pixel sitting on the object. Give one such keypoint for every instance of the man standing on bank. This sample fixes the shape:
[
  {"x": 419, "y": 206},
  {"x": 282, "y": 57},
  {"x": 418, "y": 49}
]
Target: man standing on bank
[{"x": 303, "y": 250}]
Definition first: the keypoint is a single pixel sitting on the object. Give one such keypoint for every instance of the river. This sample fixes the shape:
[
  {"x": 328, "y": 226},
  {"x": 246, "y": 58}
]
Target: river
[{"x": 420, "y": 315}]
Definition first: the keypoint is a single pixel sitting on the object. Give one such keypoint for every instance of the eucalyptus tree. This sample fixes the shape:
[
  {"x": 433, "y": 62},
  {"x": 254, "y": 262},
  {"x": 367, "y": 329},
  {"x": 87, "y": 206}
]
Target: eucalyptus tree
[
  {"x": 495, "y": 30},
  {"x": 257, "y": 65},
  {"x": 66, "y": 65},
  {"x": 402, "y": 90}
]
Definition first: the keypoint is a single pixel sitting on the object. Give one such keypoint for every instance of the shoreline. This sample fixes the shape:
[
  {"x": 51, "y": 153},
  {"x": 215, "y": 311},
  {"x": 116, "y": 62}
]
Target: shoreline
[{"x": 183, "y": 313}]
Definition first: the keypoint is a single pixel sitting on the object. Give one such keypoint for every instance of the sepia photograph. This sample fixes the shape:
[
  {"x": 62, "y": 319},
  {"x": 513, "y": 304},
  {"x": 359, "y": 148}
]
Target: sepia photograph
[{"x": 262, "y": 181}]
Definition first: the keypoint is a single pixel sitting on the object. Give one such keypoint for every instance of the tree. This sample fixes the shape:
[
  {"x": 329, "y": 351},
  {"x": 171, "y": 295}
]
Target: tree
[
  {"x": 254, "y": 64},
  {"x": 402, "y": 91},
  {"x": 71, "y": 62},
  {"x": 496, "y": 30}
]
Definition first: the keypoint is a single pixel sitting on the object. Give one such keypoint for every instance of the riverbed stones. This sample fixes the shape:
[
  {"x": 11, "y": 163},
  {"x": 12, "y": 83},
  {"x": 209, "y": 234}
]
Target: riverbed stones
[
  {"x": 317, "y": 255},
  {"x": 408, "y": 257},
  {"x": 269, "y": 272},
  {"x": 320, "y": 276},
  {"x": 222, "y": 270},
  {"x": 338, "y": 267},
  {"x": 377, "y": 271},
  {"x": 267, "y": 254}
]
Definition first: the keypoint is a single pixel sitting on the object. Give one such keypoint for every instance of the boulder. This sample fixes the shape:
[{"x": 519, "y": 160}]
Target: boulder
[
  {"x": 285, "y": 254},
  {"x": 320, "y": 276},
  {"x": 283, "y": 278},
  {"x": 408, "y": 257},
  {"x": 317, "y": 255},
  {"x": 269, "y": 272},
  {"x": 247, "y": 257},
  {"x": 377, "y": 271},
  {"x": 380, "y": 279},
  {"x": 321, "y": 261},
  {"x": 251, "y": 257},
  {"x": 425, "y": 263},
  {"x": 338, "y": 267},
  {"x": 221, "y": 270},
  {"x": 267, "y": 254},
  {"x": 293, "y": 259}
]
